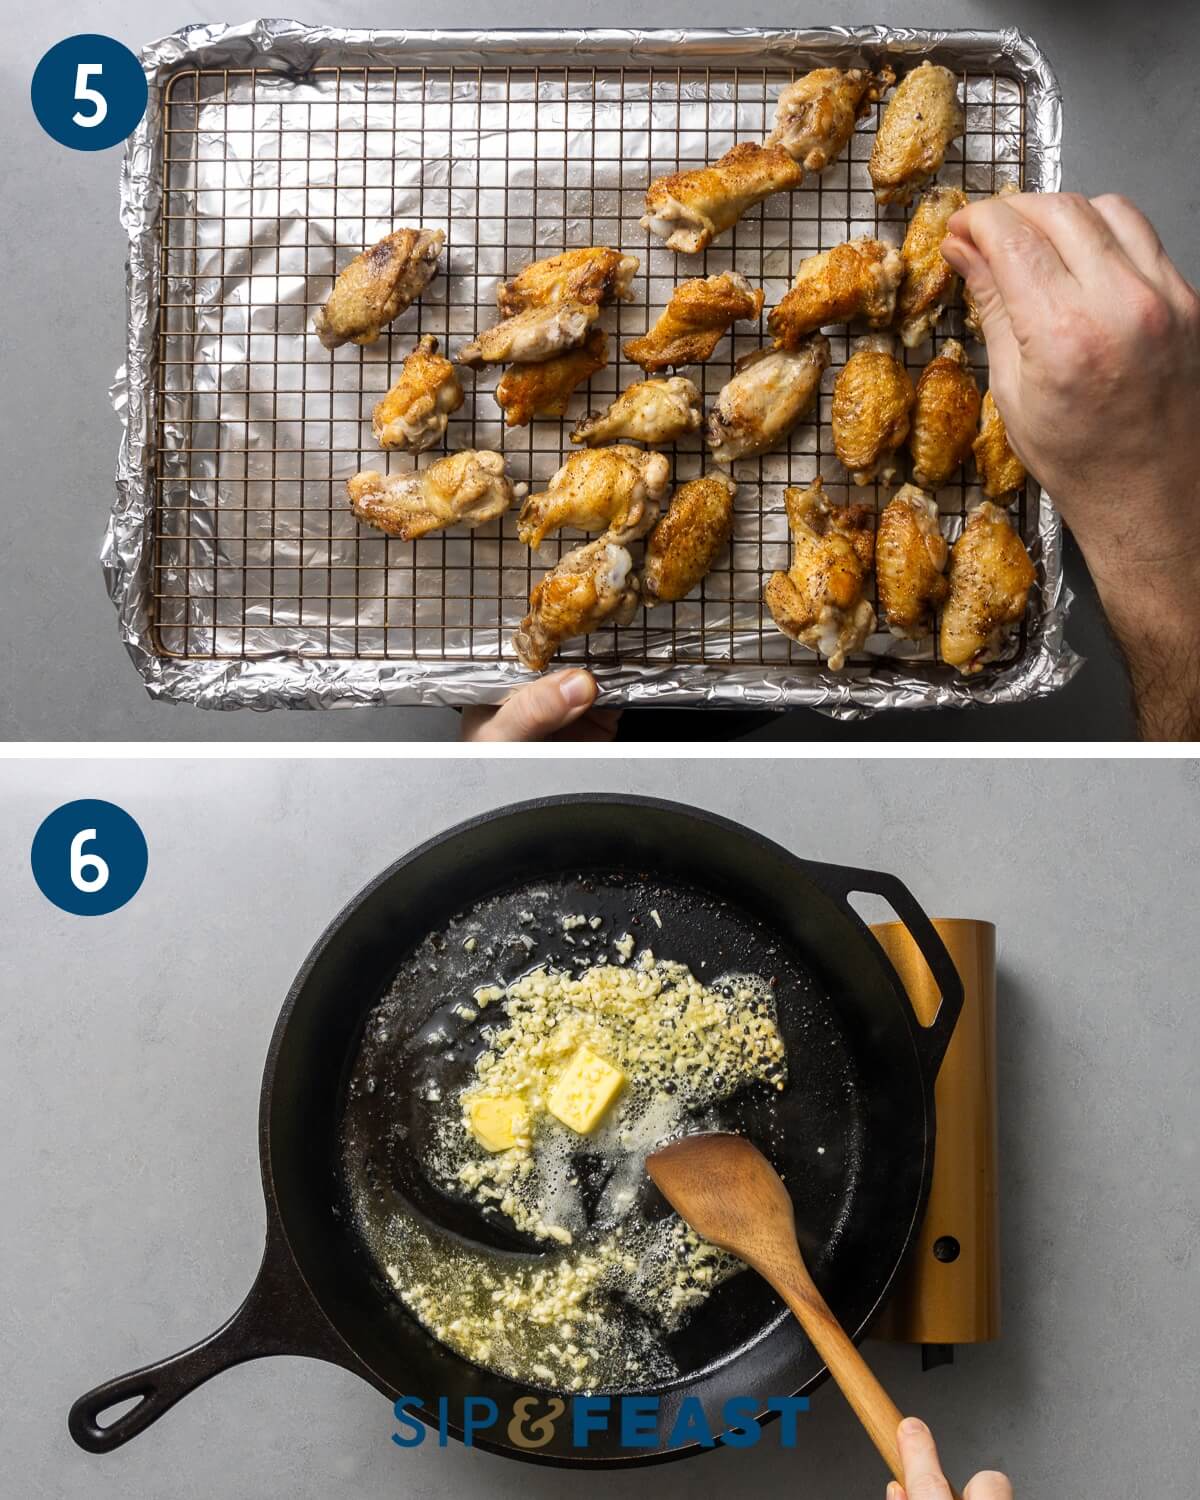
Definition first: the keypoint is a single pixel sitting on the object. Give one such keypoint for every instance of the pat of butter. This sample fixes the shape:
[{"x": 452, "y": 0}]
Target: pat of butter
[
  {"x": 498, "y": 1123},
  {"x": 584, "y": 1090}
]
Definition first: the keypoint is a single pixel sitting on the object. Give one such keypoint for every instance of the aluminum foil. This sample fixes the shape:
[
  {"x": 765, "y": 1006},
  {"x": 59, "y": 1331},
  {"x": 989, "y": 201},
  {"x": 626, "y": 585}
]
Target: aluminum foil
[{"x": 285, "y": 54}]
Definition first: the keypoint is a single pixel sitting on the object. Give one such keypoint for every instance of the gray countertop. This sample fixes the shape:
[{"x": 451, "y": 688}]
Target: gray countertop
[
  {"x": 131, "y": 1047},
  {"x": 1128, "y": 129}
]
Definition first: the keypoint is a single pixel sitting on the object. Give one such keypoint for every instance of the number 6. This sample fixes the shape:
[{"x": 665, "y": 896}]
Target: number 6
[
  {"x": 89, "y": 96},
  {"x": 81, "y": 863}
]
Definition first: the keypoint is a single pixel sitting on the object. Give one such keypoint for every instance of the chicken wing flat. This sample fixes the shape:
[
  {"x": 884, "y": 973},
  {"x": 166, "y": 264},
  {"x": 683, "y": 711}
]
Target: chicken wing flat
[
  {"x": 971, "y": 321},
  {"x": 528, "y": 338},
  {"x": 543, "y": 390},
  {"x": 990, "y": 578},
  {"x": 414, "y": 413},
  {"x": 691, "y": 325},
  {"x": 614, "y": 490},
  {"x": 929, "y": 282},
  {"x": 910, "y": 563},
  {"x": 771, "y": 391},
  {"x": 689, "y": 209},
  {"x": 649, "y": 411},
  {"x": 857, "y": 279},
  {"x": 377, "y": 286},
  {"x": 816, "y": 115},
  {"x": 819, "y": 600},
  {"x": 921, "y": 120},
  {"x": 592, "y": 586},
  {"x": 1000, "y": 470},
  {"x": 944, "y": 418},
  {"x": 464, "y": 489},
  {"x": 872, "y": 398},
  {"x": 596, "y": 275},
  {"x": 688, "y": 540}
]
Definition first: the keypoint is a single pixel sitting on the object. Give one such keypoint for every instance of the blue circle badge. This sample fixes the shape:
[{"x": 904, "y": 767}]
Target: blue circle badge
[
  {"x": 89, "y": 92},
  {"x": 89, "y": 857}
]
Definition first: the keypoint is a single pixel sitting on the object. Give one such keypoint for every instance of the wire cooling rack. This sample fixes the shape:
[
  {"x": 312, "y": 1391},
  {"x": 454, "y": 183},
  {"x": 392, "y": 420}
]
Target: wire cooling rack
[{"x": 272, "y": 184}]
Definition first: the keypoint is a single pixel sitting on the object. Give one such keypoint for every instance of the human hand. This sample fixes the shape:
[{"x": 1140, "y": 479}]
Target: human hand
[
  {"x": 923, "y": 1477},
  {"x": 555, "y": 707}
]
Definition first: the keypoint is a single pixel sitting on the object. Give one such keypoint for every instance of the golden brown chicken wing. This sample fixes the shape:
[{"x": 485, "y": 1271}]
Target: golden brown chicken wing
[
  {"x": 910, "y": 563},
  {"x": 816, "y": 114},
  {"x": 596, "y": 275},
  {"x": 649, "y": 411},
  {"x": 855, "y": 280},
  {"x": 922, "y": 118},
  {"x": 592, "y": 586},
  {"x": 614, "y": 490},
  {"x": 528, "y": 338},
  {"x": 971, "y": 321},
  {"x": 688, "y": 540},
  {"x": 872, "y": 398},
  {"x": 463, "y": 489},
  {"x": 990, "y": 578},
  {"x": 414, "y": 413},
  {"x": 944, "y": 417},
  {"x": 689, "y": 209},
  {"x": 690, "y": 327},
  {"x": 543, "y": 390},
  {"x": 1000, "y": 470},
  {"x": 929, "y": 283},
  {"x": 771, "y": 390},
  {"x": 819, "y": 600},
  {"x": 378, "y": 285}
]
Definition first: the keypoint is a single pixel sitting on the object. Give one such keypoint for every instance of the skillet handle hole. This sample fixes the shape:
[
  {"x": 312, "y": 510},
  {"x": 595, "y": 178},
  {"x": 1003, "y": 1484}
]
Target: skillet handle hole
[
  {"x": 875, "y": 909},
  {"x": 108, "y": 1415}
]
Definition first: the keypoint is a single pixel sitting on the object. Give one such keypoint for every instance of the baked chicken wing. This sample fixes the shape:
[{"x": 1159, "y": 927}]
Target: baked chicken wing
[
  {"x": 592, "y": 586},
  {"x": 1000, "y": 470},
  {"x": 872, "y": 398},
  {"x": 464, "y": 489},
  {"x": 819, "y": 600},
  {"x": 910, "y": 563},
  {"x": 537, "y": 334},
  {"x": 922, "y": 118},
  {"x": 649, "y": 411},
  {"x": 414, "y": 413},
  {"x": 614, "y": 490},
  {"x": 688, "y": 540},
  {"x": 944, "y": 418},
  {"x": 377, "y": 286},
  {"x": 857, "y": 279},
  {"x": 543, "y": 390},
  {"x": 971, "y": 320},
  {"x": 990, "y": 578},
  {"x": 771, "y": 391},
  {"x": 691, "y": 325},
  {"x": 816, "y": 115},
  {"x": 597, "y": 275},
  {"x": 929, "y": 282},
  {"x": 689, "y": 209}
]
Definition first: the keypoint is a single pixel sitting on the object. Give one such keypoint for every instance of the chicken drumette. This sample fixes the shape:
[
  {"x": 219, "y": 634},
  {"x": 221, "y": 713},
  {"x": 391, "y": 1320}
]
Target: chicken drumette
[
  {"x": 689, "y": 209},
  {"x": 414, "y": 413},
  {"x": 543, "y": 390},
  {"x": 614, "y": 490},
  {"x": 857, "y": 279},
  {"x": 464, "y": 489},
  {"x": 929, "y": 283},
  {"x": 691, "y": 325},
  {"x": 771, "y": 391},
  {"x": 816, "y": 115},
  {"x": 872, "y": 398},
  {"x": 910, "y": 563},
  {"x": 944, "y": 418},
  {"x": 529, "y": 337},
  {"x": 990, "y": 578},
  {"x": 649, "y": 411},
  {"x": 921, "y": 120},
  {"x": 688, "y": 540},
  {"x": 592, "y": 586},
  {"x": 1000, "y": 470},
  {"x": 377, "y": 286},
  {"x": 596, "y": 275}
]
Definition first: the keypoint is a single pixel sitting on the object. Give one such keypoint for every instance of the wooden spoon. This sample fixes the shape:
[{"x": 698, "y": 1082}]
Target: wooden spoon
[{"x": 731, "y": 1195}]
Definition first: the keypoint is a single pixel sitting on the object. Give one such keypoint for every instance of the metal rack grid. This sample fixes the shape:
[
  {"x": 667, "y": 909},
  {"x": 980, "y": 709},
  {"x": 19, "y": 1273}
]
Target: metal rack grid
[{"x": 257, "y": 426}]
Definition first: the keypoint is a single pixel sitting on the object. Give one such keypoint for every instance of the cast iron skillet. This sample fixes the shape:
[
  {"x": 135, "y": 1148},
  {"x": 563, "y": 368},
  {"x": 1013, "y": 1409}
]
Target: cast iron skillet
[{"x": 861, "y": 1085}]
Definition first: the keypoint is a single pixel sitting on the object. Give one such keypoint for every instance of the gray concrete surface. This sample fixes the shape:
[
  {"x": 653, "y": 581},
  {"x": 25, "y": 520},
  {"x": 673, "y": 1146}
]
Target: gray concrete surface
[
  {"x": 1127, "y": 80},
  {"x": 131, "y": 1049}
]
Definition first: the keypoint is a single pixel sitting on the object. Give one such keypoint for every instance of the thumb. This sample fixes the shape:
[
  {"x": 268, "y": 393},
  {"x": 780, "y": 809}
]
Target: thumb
[
  {"x": 539, "y": 708},
  {"x": 960, "y": 253}
]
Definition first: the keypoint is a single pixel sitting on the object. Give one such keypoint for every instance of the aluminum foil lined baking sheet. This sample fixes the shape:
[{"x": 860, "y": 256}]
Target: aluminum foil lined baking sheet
[{"x": 272, "y": 153}]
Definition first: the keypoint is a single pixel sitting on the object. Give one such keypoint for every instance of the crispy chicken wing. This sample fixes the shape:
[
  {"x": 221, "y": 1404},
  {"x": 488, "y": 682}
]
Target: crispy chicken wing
[
  {"x": 816, "y": 115},
  {"x": 771, "y": 391},
  {"x": 649, "y": 411},
  {"x": 929, "y": 283},
  {"x": 592, "y": 586},
  {"x": 944, "y": 417},
  {"x": 910, "y": 563},
  {"x": 614, "y": 490},
  {"x": 689, "y": 209},
  {"x": 690, "y": 327},
  {"x": 687, "y": 541},
  {"x": 414, "y": 413},
  {"x": 819, "y": 600},
  {"x": 377, "y": 286},
  {"x": 971, "y": 321},
  {"x": 528, "y": 338},
  {"x": 990, "y": 578},
  {"x": 921, "y": 120},
  {"x": 857, "y": 279},
  {"x": 543, "y": 390},
  {"x": 1000, "y": 470},
  {"x": 595, "y": 275},
  {"x": 464, "y": 489},
  {"x": 872, "y": 398}
]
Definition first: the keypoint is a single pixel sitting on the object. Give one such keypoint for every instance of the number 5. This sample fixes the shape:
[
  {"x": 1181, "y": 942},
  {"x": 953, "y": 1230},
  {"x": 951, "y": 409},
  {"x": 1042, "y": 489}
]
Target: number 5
[
  {"x": 87, "y": 95},
  {"x": 82, "y": 863}
]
